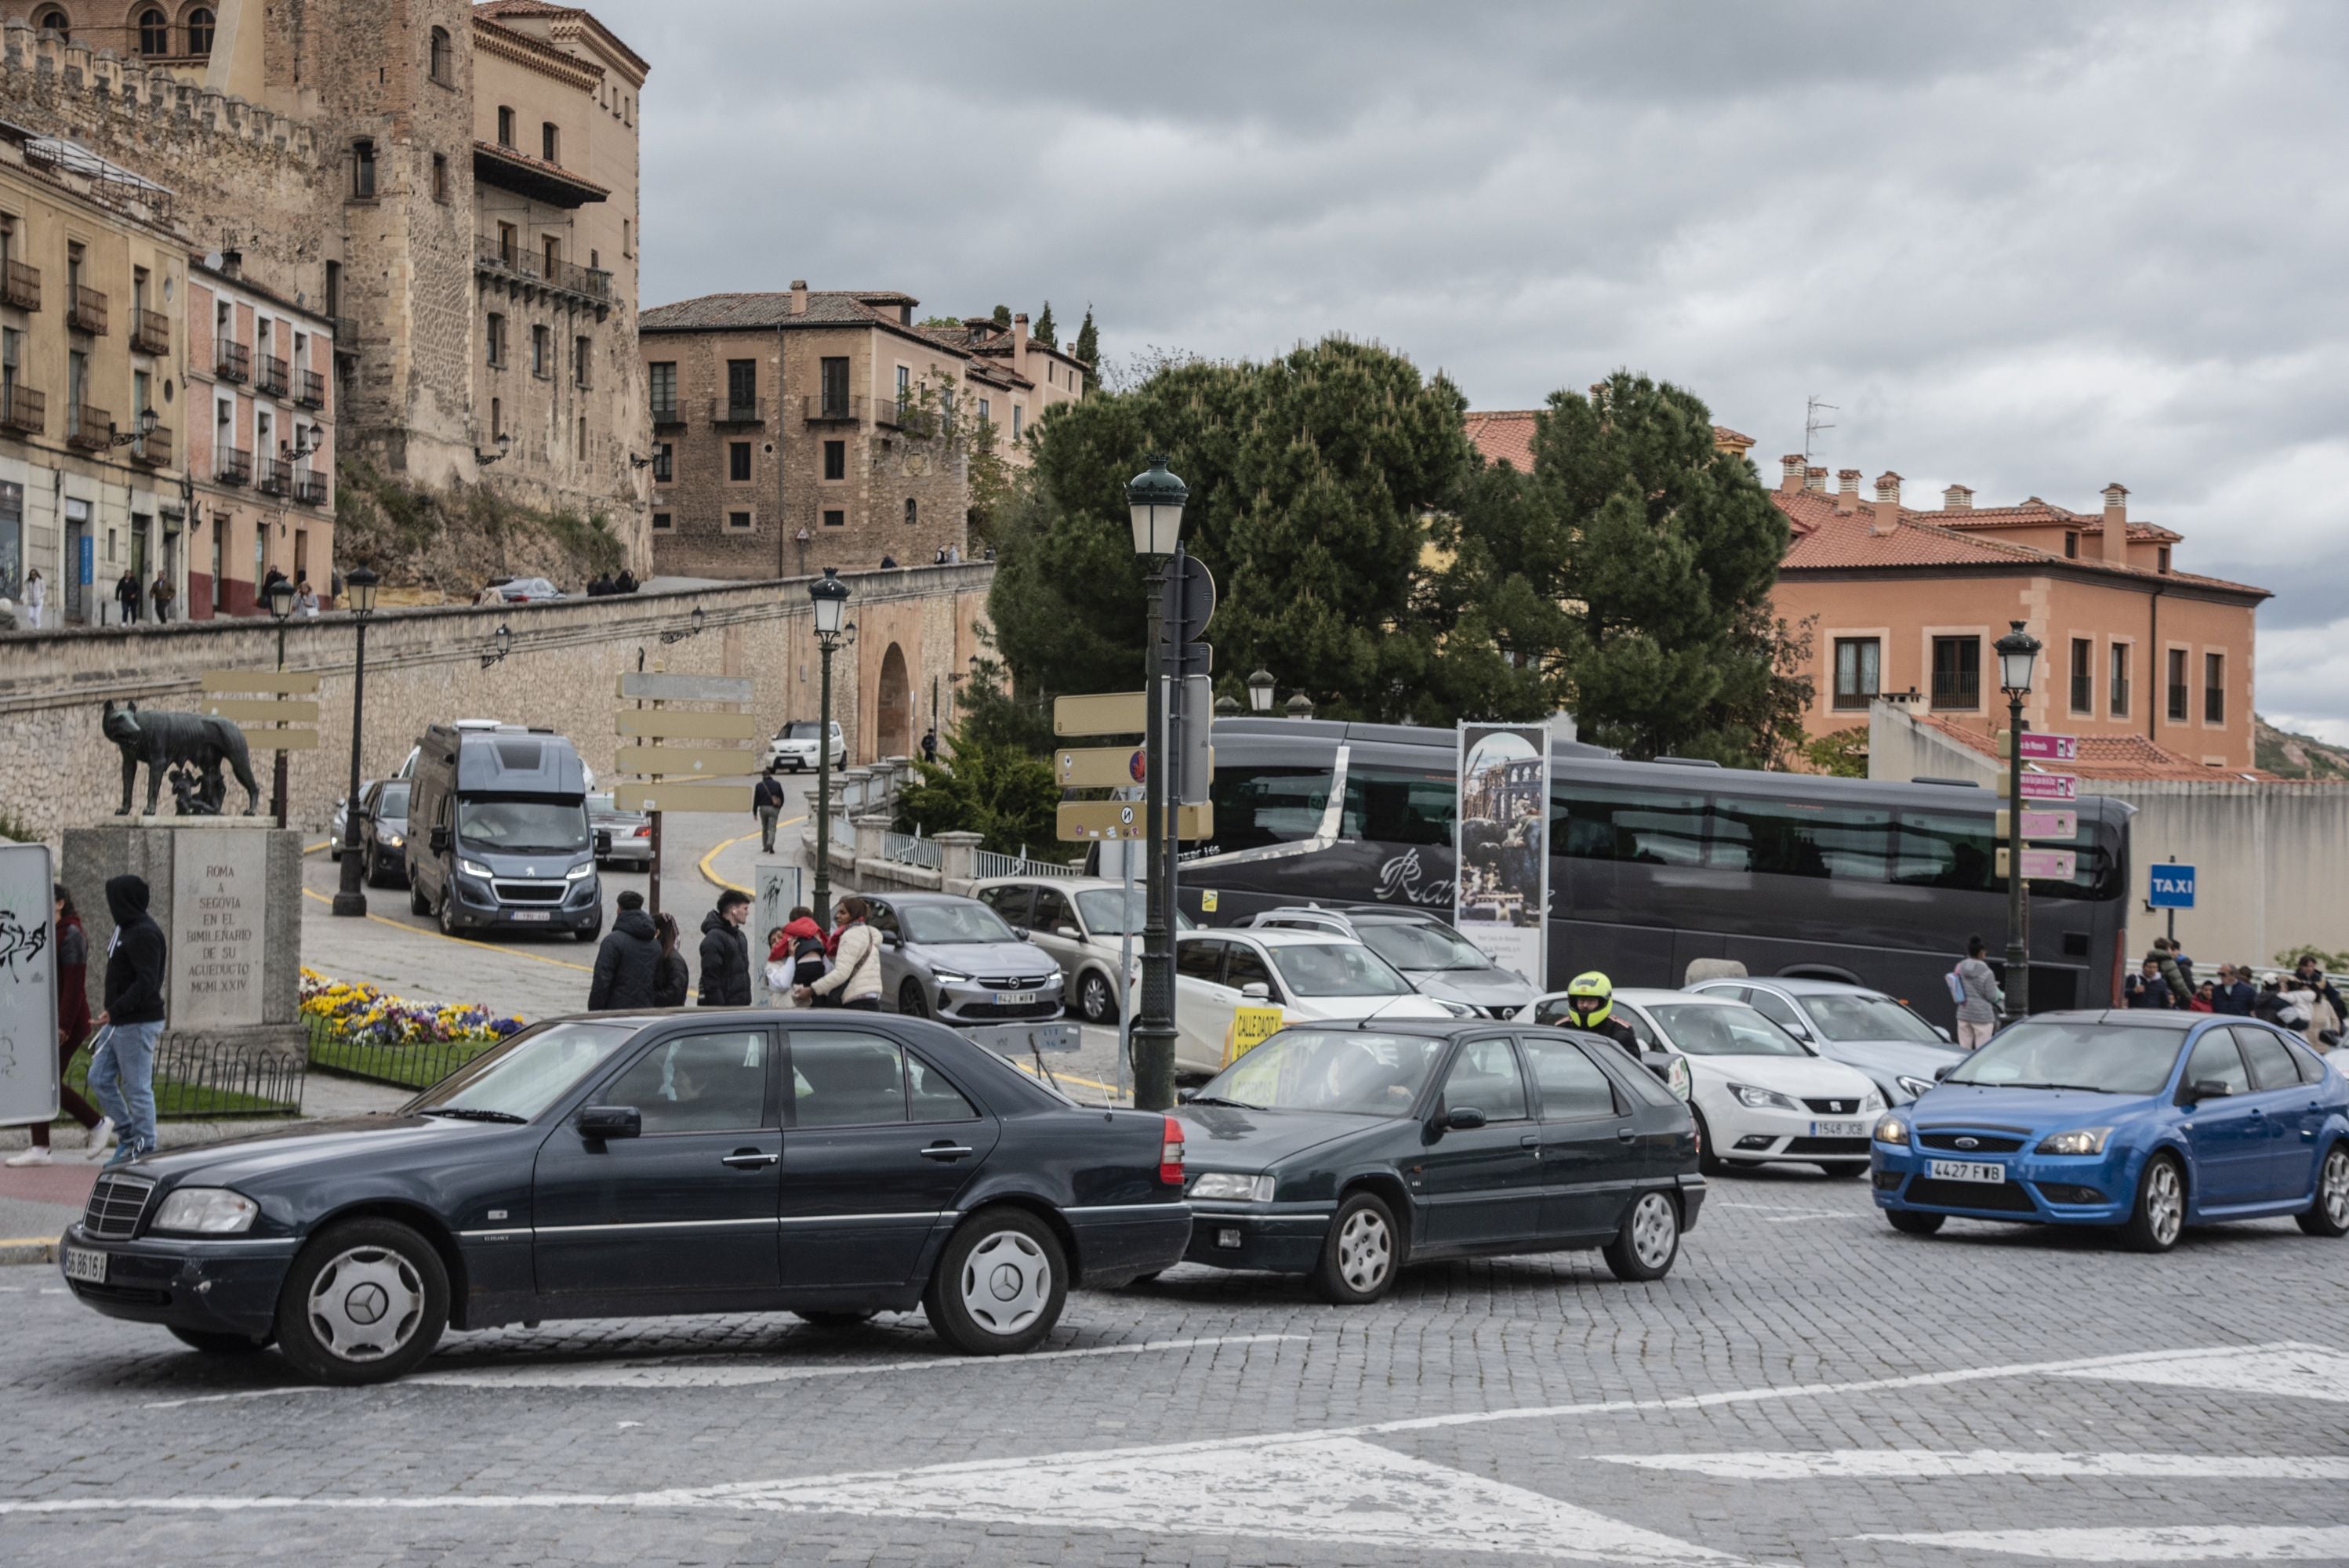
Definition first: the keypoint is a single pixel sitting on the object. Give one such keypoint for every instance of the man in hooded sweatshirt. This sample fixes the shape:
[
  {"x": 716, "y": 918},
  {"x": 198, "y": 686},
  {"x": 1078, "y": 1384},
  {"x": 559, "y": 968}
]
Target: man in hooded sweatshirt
[
  {"x": 122, "y": 1067},
  {"x": 626, "y": 959},
  {"x": 726, "y": 951}
]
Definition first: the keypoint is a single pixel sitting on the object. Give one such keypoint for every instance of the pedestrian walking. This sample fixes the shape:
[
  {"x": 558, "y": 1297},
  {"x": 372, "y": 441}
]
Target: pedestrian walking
[
  {"x": 2146, "y": 988},
  {"x": 855, "y": 977},
  {"x": 126, "y": 594},
  {"x": 767, "y": 805},
  {"x": 726, "y": 953},
  {"x": 930, "y": 745},
  {"x": 1979, "y": 1000},
  {"x": 122, "y": 1067},
  {"x": 162, "y": 593},
  {"x": 627, "y": 960},
  {"x": 73, "y": 1029},
  {"x": 672, "y": 977},
  {"x": 36, "y": 596}
]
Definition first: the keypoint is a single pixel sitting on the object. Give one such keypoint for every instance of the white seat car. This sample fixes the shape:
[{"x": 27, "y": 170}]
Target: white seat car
[
  {"x": 1761, "y": 1095},
  {"x": 1312, "y": 976}
]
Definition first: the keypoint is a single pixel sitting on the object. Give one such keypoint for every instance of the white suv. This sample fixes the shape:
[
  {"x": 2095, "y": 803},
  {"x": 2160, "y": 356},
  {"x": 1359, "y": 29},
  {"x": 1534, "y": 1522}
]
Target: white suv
[{"x": 794, "y": 744}]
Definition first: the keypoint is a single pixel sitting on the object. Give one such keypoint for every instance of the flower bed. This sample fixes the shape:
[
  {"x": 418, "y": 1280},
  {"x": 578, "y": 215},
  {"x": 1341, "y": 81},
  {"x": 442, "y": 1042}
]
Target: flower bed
[{"x": 363, "y": 1031}]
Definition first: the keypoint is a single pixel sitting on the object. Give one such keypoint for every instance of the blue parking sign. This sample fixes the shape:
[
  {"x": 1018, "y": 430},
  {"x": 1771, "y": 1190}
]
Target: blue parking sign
[{"x": 2173, "y": 886}]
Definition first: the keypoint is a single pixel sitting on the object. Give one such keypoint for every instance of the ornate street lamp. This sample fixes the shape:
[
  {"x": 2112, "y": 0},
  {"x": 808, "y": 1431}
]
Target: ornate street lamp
[
  {"x": 831, "y": 598},
  {"x": 1155, "y": 499},
  {"x": 1260, "y": 688},
  {"x": 1299, "y": 706},
  {"x": 501, "y": 644},
  {"x": 2018, "y": 655},
  {"x": 359, "y": 594},
  {"x": 279, "y": 597}
]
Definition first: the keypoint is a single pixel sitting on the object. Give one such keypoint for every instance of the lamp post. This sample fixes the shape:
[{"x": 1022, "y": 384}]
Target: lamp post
[
  {"x": 1155, "y": 497},
  {"x": 2018, "y": 653},
  {"x": 1299, "y": 706},
  {"x": 280, "y": 597},
  {"x": 1260, "y": 690},
  {"x": 360, "y": 589},
  {"x": 830, "y": 597}
]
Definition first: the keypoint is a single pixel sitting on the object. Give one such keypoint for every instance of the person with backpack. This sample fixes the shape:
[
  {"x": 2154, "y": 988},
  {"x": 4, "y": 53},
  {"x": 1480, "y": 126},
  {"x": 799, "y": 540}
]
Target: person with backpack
[
  {"x": 1975, "y": 989},
  {"x": 767, "y": 805}
]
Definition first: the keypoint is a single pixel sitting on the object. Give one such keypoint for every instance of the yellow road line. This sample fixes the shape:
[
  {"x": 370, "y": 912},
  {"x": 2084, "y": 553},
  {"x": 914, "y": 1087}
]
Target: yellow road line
[
  {"x": 321, "y": 844},
  {"x": 1068, "y": 1078},
  {"x": 710, "y": 876},
  {"x": 461, "y": 941}
]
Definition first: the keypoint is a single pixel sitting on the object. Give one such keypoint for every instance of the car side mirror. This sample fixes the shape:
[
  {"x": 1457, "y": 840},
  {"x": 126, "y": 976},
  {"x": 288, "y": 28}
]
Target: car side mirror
[
  {"x": 1070, "y": 932},
  {"x": 1186, "y": 1096},
  {"x": 439, "y": 840},
  {"x": 1460, "y": 1118},
  {"x": 2206, "y": 1089},
  {"x": 1942, "y": 1071},
  {"x": 1257, "y": 990},
  {"x": 891, "y": 939},
  {"x": 1799, "y": 1031},
  {"x": 601, "y": 1121},
  {"x": 1023, "y": 933}
]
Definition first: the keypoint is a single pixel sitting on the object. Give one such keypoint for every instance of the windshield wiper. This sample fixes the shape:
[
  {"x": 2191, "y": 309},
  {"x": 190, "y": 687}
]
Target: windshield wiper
[
  {"x": 470, "y": 1113},
  {"x": 1216, "y": 1099},
  {"x": 2081, "y": 1087}
]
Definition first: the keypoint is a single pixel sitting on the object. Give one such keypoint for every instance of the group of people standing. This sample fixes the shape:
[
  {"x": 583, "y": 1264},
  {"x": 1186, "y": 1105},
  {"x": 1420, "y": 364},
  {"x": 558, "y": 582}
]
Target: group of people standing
[
  {"x": 606, "y": 584},
  {"x": 122, "y": 1057},
  {"x": 638, "y": 964},
  {"x": 2303, "y": 999}
]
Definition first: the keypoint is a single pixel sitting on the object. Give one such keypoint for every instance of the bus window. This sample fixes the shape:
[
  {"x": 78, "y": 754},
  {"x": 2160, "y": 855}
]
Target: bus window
[
  {"x": 1799, "y": 838},
  {"x": 1391, "y": 805},
  {"x": 1260, "y": 806},
  {"x": 1947, "y": 850},
  {"x": 1656, "y": 827}
]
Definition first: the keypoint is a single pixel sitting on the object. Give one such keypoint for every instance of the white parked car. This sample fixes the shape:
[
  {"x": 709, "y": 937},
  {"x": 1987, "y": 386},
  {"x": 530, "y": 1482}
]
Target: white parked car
[
  {"x": 1312, "y": 976},
  {"x": 1761, "y": 1095},
  {"x": 794, "y": 746}
]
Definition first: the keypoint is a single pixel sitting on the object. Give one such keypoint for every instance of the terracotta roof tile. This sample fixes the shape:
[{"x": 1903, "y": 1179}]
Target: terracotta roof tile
[
  {"x": 767, "y": 310},
  {"x": 2101, "y": 755}
]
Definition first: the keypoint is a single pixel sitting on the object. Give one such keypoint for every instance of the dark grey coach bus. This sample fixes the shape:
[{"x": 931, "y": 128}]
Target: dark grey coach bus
[{"x": 1656, "y": 863}]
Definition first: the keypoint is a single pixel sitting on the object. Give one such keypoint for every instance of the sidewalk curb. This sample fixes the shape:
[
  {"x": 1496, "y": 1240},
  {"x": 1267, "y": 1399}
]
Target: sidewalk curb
[
  {"x": 709, "y": 873},
  {"x": 28, "y": 1250}
]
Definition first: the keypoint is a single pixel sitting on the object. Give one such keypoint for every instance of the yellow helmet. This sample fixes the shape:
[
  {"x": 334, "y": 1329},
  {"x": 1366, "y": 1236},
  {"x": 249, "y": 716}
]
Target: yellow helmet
[{"x": 1590, "y": 997}]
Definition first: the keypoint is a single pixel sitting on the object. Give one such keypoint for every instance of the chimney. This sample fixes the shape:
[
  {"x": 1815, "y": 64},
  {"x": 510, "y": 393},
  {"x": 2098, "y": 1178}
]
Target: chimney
[
  {"x": 1888, "y": 503},
  {"x": 1019, "y": 338},
  {"x": 1790, "y": 473},
  {"x": 1846, "y": 490},
  {"x": 1816, "y": 479},
  {"x": 233, "y": 265},
  {"x": 1957, "y": 497},
  {"x": 799, "y": 297},
  {"x": 2116, "y": 523}
]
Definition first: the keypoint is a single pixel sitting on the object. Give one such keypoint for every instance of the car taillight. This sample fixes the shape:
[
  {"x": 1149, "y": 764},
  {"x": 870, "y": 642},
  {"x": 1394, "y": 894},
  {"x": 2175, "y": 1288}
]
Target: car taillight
[
  {"x": 1170, "y": 1155},
  {"x": 644, "y": 832}
]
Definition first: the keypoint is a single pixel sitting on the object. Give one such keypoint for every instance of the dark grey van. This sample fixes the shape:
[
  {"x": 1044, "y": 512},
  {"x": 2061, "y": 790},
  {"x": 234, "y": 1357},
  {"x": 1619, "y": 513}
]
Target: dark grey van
[{"x": 498, "y": 833}]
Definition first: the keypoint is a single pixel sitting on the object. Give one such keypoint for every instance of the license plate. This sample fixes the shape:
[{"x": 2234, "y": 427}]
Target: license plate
[
  {"x": 1839, "y": 1129},
  {"x": 1966, "y": 1170},
  {"x": 1015, "y": 998},
  {"x": 533, "y": 914},
  {"x": 85, "y": 1265}
]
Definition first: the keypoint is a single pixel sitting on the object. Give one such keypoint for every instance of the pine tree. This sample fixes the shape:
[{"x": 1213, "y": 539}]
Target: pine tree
[
  {"x": 1003, "y": 316},
  {"x": 1044, "y": 332},
  {"x": 1088, "y": 345}
]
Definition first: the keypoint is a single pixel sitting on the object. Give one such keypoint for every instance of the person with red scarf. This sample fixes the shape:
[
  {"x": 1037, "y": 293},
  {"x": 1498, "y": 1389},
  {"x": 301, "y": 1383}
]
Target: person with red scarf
[
  {"x": 73, "y": 1029},
  {"x": 801, "y": 944}
]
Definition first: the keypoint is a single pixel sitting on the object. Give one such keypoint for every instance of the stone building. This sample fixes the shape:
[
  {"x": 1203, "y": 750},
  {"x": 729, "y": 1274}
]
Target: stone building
[
  {"x": 817, "y": 428},
  {"x": 92, "y": 271},
  {"x": 361, "y": 156}
]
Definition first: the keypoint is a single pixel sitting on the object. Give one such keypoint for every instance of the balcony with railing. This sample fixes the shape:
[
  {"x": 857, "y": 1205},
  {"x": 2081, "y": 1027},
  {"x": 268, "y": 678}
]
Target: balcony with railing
[
  {"x": 666, "y": 414},
  {"x": 90, "y": 428},
  {"x": 21, "y": 287},
  {"x": 904, "y": 414},
  {"x": 153, "y": 450},
  {"x": 346, "y": 334},
  {"x": 309, "y": 389},
  {"x": 736, "y": 411},
  {"x": 233, "y": 466},
  {"x": 310, "y": 488},
  {"x": 273, "y": 476},
  {"x": 87, "y": 312},
  {"x": 150, "y": 333},
  {"x": 495, "y": 256},
  {"x": 233, "y": 362},
  {"x": 272, "y": 379},
  {"x": 833, "y": 408},
  {"x": 22, "y": 409}
]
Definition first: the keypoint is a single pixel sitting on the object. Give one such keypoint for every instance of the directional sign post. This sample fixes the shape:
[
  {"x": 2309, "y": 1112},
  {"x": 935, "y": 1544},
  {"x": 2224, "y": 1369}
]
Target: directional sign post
[
  {"x": 2050, "y": 787},
  {"x": 2038, "y": 745},
  {"x": 694, "y": 776},
  {"x": 2043, "y": 824},
  {"x": 2044, "y": 865}
]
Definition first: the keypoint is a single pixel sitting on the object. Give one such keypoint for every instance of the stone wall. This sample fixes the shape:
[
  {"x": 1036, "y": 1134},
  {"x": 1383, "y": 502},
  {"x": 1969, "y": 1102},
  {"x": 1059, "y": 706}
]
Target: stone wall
[{"x": 58, "y": 771}]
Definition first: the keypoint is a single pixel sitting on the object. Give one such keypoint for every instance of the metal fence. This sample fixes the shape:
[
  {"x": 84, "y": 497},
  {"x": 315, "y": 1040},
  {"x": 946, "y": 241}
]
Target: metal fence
[
  {"x": 910, "y": 849},
  {"x": 992, "y": 864},
  {"x": 215, "y": 1081},
  {"x": 408, "y": 1066}
]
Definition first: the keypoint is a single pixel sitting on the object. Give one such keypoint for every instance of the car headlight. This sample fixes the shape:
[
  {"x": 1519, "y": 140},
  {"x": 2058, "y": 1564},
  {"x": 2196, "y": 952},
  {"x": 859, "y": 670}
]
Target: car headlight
[
  {"x": 1676, "y": 1077},
  {"x": 474, "y": 869},
  {"x": 949, "y": 976},
  {"x": 1914, "y": 1087},
  {"x": 583, "y": 869},
  {"x": 1875, "y": 1100},
  {"x": 1763, "y": 1098},
  {"x": 1230, "y": 1187},
  {"x": 206, "y": 1211},
  {"x": 1892, "y": 1129},
  {"x": 2079, "y": 1140},
  {"x": 1457, "y": 1009}
]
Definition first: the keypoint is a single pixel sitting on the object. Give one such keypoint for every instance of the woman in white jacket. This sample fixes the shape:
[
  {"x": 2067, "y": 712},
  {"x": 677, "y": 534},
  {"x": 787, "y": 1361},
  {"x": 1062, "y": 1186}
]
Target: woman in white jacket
[{"x": 855, "y": 977}]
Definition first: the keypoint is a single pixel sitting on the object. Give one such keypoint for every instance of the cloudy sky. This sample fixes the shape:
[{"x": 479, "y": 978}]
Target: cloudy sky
[{"x": 2024, "y": 247}]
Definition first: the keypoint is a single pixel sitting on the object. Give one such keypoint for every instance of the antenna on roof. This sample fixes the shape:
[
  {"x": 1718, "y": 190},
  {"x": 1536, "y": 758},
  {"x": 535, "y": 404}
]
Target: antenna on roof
[{"x": 1812, "y": 408}]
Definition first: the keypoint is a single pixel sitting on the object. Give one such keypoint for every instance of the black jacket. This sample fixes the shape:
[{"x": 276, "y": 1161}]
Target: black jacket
[
  {"x": 1616, "y": 1030},
  {"x": 767, "y": 792},
  {"x": 625, "y": 965},
  {"x": 672, "y": 978},
  {"x": 725, "y": 963},
  {"x": 134, "y": 960}
]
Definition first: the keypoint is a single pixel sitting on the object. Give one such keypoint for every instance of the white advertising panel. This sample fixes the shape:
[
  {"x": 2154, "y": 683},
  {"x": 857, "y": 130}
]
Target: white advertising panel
[
  {"x": 1501, "y": 895},
  {"x": 28, "y": 984}
]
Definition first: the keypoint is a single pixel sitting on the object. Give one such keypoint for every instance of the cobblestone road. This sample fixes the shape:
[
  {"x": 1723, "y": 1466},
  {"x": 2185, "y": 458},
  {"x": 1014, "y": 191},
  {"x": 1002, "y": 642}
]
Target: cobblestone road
[{"x": 1808, "y": 1386}]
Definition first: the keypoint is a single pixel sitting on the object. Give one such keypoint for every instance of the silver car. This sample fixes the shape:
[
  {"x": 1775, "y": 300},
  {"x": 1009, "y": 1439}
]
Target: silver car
[
  {"x": 1079, "y": 920},
  {"x": 952, "y": 958},
  {"x": 622, "y": 838},
  {"x": 1437, "y": 960},
  {"x": 1879, "y": 1034}
]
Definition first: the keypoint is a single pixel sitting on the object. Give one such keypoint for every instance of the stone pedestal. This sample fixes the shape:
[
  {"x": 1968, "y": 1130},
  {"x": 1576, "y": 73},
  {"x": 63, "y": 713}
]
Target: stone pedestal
[{"x": 227, "y": 891}]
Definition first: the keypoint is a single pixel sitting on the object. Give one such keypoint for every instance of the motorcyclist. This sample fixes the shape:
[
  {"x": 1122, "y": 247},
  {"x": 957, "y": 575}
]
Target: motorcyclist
[{"x": 1590, "y": 997}]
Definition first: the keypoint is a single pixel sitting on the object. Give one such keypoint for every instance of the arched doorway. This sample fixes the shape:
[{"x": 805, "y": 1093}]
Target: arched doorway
[{"x": 893, "y": 731}]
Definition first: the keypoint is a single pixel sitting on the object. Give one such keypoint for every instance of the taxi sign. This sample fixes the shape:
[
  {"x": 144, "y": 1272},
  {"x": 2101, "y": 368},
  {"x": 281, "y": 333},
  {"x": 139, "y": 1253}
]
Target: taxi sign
[{"x": 1251, "y": 1026}]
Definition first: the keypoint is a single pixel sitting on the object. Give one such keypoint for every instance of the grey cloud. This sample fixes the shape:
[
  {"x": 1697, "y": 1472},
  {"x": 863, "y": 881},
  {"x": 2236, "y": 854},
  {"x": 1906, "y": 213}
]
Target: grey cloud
[{"x": 2024, "y": 247}]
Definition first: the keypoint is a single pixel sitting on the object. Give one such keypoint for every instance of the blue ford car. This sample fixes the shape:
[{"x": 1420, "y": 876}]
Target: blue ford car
[{"x": 2147, "y": 1121}]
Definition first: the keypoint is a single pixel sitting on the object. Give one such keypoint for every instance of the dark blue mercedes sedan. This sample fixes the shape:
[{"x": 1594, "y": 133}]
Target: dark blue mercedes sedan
[
  {"x": 2145, "y": 1121},
  {"x": 831, "y": 1164}
]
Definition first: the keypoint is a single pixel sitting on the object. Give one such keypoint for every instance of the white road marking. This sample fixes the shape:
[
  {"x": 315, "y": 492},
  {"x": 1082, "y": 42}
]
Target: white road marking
[
  {"x": 1329, "y": 1491},
  {"x": 1930, "y": 1464},
  {"x": 719, "y": 1372},
  {"x": 2303, "y": 1371},
  {"x": 1785, "y": 1214},
  {"x": 2177, "y": 1544}
]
